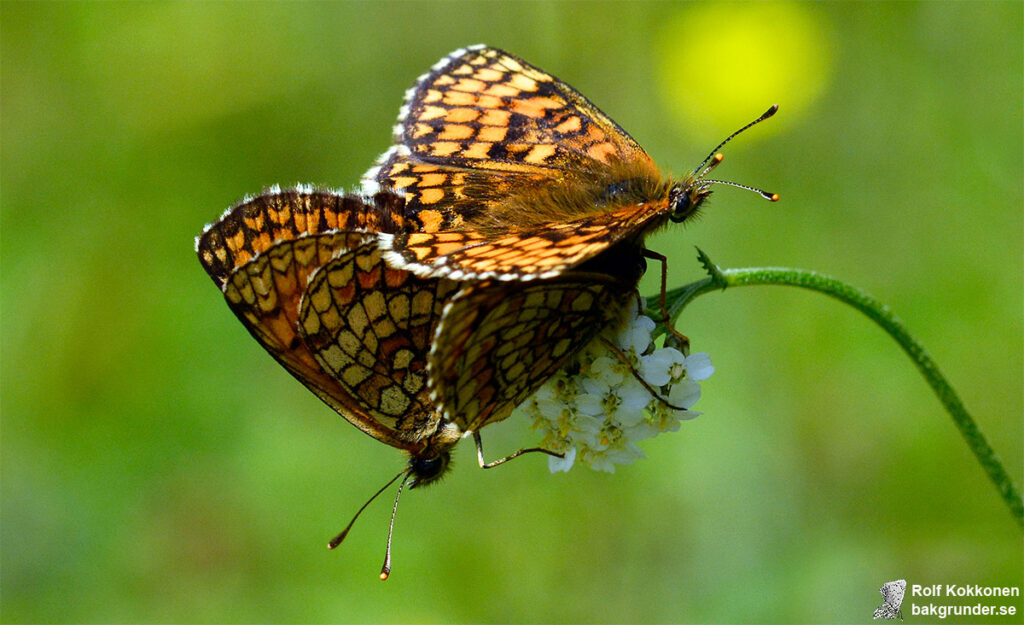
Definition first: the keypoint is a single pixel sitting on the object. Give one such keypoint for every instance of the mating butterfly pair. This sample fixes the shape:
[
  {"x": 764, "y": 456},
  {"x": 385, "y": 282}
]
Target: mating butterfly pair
[
  {"x": 501, "y": 232},
  {"x": 304, "y": 271}
]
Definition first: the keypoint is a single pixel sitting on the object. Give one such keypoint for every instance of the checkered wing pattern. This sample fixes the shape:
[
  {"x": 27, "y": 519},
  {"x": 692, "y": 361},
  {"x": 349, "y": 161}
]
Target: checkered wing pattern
[
  {"x": 498, "y": 343},
  {"x": 254, "y": 225},
  {"x": 543, "y": 252},
  {"x": 265, "y": 294},
  {"x": 510, "y": 173},
  {"x": 483, "y": 125},
  {"x": 370, "y": 327}
]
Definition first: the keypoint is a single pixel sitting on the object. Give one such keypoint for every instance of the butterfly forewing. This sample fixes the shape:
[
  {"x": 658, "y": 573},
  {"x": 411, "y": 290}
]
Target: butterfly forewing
[
  {"x": 370, "y": 328},
  {"x": 254, "y": 225},
  {"x": 500, "y": 342},
  {"x": 533, "y": 175},
  {"x": 482, "y": 125}
]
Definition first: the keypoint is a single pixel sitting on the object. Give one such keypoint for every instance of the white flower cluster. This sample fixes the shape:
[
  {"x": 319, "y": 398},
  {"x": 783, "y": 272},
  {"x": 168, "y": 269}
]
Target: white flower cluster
[{"x": 594, "y": 408}]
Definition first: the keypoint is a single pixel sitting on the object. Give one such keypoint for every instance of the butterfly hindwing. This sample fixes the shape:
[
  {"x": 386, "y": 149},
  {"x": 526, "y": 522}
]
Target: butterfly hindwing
[
  {"x": 265, "y": 294},
  {"x": 499, "y": 342},
  {"x": 543, "y": 252},
  {"x": 369, "y": 327}
]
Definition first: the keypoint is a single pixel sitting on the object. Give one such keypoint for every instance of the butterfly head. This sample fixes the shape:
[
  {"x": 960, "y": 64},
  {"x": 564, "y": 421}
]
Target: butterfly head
[
  {"x": 425, "y": 470},
  {"x": 430, "y": 464},
  {"x": 686, "y": 197}
]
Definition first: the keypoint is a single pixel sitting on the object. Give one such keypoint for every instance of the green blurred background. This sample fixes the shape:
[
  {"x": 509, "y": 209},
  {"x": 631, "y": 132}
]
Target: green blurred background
[{"x": 158, "y": 466}]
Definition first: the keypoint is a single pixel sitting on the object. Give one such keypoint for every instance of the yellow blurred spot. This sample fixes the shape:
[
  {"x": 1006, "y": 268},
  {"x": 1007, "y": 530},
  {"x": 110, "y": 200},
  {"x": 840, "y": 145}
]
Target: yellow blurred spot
[{"x": 721, "y": 65}]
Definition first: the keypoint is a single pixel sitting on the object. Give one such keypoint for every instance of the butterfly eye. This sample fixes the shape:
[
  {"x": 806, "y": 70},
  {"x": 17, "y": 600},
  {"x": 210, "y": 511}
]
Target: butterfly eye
[{"x": 679, "y": 202}]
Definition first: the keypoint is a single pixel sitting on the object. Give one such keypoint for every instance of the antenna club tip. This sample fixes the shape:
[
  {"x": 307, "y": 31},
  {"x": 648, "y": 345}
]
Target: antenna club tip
[
  {"x": 774, "y": 109},
  {"x": 718, "y": 157},
  {"x": 337, "y": 540},
  {"x": 384, "y": 575},
  {"x": 774, "y": 197}
]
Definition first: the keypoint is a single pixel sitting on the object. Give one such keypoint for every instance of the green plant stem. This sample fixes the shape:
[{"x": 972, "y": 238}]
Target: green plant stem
[{"x": 677, "y": 299}]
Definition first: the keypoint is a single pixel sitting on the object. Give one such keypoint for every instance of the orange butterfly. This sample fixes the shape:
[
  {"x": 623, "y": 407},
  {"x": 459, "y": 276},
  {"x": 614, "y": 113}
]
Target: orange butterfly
[
  {"x": 510, "y": 175},
  {"x": 302, "y": 270}
]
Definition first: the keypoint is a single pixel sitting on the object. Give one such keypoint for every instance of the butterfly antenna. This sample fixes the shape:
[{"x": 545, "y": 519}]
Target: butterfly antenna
[
  {"x": 341, "y": 536},
  {"x": 718, "y": 157},
  {"x": 386, "y": 569},
  {"x": 772, "y": 197}
]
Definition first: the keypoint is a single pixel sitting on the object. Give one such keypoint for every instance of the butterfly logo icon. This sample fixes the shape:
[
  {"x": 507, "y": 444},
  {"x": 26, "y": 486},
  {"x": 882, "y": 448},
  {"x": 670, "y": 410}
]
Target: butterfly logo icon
[{"x": 892, "y": 594}]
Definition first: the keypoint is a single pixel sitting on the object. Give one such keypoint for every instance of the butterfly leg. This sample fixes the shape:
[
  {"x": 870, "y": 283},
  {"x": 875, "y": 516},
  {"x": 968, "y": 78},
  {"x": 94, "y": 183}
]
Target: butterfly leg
[
  {"x": 675, "y": 338},
  {"x": 488, "y": 465}
]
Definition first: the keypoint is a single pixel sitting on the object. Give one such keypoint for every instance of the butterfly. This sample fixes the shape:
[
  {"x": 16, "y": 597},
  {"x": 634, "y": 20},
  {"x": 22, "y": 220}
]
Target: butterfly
[
  {"x": 302, "y": 270},
  {"x": 892, "y": 594},
  {"x": 511, "y": 176}
]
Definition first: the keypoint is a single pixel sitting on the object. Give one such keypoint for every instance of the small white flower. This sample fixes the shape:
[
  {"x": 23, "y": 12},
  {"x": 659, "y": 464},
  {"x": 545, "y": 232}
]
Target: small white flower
[
  {"x": 698, "y": 366},
  {"x": 605, "y": 370},
  {"x": 635, "y": 337},
  {"x": 661, "y": 366},
  {"x": 595, "y": 415},
  {"x": 591, "y": 404},
  {"x": 556, "y": 464},
  {"x": 684, "y": 394}
]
